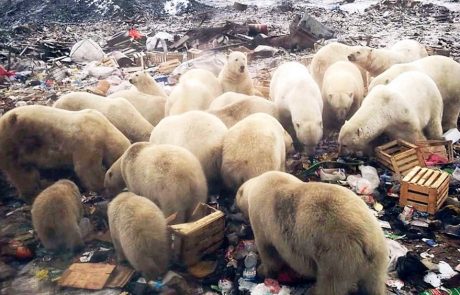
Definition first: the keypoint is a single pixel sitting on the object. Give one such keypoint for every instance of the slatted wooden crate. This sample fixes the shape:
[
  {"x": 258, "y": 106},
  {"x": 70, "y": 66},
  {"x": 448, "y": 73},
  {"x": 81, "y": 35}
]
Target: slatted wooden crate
[
  {"x": 425, "y": 189},
  {"x": 191, "y": 241},
  {"x": 399, "y": 156},
  {"x": 442, "y": 148}
]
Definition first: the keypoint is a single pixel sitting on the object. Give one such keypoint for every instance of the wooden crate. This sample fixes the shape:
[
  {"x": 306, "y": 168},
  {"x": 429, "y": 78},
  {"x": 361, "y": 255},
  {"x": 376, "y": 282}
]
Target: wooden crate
[
  {"x": 399, "y": 156},
  {"x": 192, "y": 240},
  {"x": 157, "y": 57},
  {"x": 442, "y": 148},
  {"x": 425, "y": 189}
]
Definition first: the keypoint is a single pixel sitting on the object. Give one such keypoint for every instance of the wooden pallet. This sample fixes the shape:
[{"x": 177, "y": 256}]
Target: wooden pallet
[
  {"x": 399, "y": 156},
  {"x": 442, "y": 148},
  {"x": 425, "y": 189},
  {"x": 191, "y": 241}
]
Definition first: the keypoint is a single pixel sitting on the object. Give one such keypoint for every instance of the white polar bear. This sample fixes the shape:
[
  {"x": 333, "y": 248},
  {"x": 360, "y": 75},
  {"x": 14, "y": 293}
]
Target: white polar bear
[
  {"x": 299, "y": 103},
  {"x": 146, "y": 84},
  {"x": 328, "y": 55},
  {"x": 196, "y": 90},
  {"x": 228, "y": 98},
  {"x": 235, "y": 75},
  {"x": 151, "y": 107},
  {"x": 232, "y": 113},
  {"x": 377, "y": 60},
  {"x": 408, "y": 108},
  {"x": 343, "y": 91},
  {"x": 442, "y": 70},
  {"x": 168, "y": 175},
  {"x": 200, "y": 133},
  {"x": 251, "y": 147},
  {"x": 120, "y": 112}
]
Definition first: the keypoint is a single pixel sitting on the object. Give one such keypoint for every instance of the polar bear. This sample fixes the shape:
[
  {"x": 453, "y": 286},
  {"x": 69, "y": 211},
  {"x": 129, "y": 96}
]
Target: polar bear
[
  {"x": 322, "y": 231},
  {"x": 442, "y": 70},
  {"x": 235, "y": 75},
  {"x": 196, "y": 90},
  {"x": 228, "y": 98},
  {"x": 299, "y": 103},
  {"x": 328, "y": 55},
  {"x": 36, "y": 137},
  {"x": 252, "y": 146},
  {"x": 146, "y": 84},
  {"x": 168, "y": 175},
  {"x": 200, "y": 133},
  {"x": 56, "y": 214},
  {"x": 401, "y": 112},
  {"x": 151, "y": 107},
  {"x": 235, "y": 112},
  {"x": 343, "y": 91},
  {"x": 119, "y": 111},
  {"x": 139, "y": 234},
  {"x": 377, "y": 60}
]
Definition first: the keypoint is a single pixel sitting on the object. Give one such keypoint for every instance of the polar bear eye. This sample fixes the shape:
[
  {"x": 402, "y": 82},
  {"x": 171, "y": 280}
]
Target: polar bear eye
[
  {"x": 297, "y": 124},
  {"x": 236, "y": 59},
  {"x": 110, "y": 174},
  {"x": 358, "y": 52}
]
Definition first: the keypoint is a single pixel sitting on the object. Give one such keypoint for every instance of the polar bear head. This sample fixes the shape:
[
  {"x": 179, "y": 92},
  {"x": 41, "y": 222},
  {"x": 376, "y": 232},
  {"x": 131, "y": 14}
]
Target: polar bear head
[
  {"x": 340, "y": 103},
  {"x": 361, "y": 56},
  {"x": 237, "y": 62}
]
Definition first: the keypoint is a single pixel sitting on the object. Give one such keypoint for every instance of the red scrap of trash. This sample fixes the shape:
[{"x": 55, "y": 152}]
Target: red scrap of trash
[
  {"x": 5, "y": 73},
  {"x": 133, "y": 33},
  {"x": 434, "y": 159}
]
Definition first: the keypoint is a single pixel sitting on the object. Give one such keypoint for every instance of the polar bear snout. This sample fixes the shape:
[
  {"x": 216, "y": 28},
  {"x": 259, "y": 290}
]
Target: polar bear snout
[
  {"x": 352, "y": 57},
  {"x": 242, "y": 69}
]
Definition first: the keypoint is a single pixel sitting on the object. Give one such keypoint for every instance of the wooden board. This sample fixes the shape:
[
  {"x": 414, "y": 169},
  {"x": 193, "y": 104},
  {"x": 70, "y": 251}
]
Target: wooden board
[{"x": 92, "y": 276}]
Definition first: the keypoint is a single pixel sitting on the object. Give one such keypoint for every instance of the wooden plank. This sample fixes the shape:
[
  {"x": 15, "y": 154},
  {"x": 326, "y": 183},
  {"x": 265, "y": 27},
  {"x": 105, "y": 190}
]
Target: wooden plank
[
  {"x": 440, "y": 180},
  {"x": 418, "y": 206},
  {"x": 411, "y": 174},
  {"x": 405, "y": 168},
  {"x": 422, "y": 198},
  {"x": 407, "y": 144},
  {"x": 411, "y": 158},
  {"x": 405, "y": 154},
  {"x": 419, "y": 175},
  {"x": 432, "y": 179},
  {"x": 393, "y": 150},
  {"x": 425, "y": 177},
  {"x": 387, "y": 145}
]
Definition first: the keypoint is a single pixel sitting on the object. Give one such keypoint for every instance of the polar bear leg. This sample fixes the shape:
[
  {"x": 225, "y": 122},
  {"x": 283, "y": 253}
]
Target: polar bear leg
[
  {"x": 26, "y": 180},
  {"x": 450, "y": 116},
  {"x": 434, "y": 130},
  {"x": 88, "y": 167}
]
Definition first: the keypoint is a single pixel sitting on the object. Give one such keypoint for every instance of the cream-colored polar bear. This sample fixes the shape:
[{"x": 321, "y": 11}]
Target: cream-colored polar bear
[
  {"x": 235, "y": 112},
  {"x": 151, "y": 107},
  {"x": 251, "y": 147},
  {"x": 228, "y": 98},
  {"x": 328, "y": 55},
  {"x": 377, "y": 60},
  {"x": 196, "y": 90},
  {"x": 442, "y": 70},
  {"x": 36, "y": 138},
  {"x": 56, "y": 214},
  {"x": 408, "y": 108},
  {"x": 299, "y": 103},
  {"x": 235, "y": 75},
  {"x": 322, "y": 231},
  {"x": 343, "y": 91},
  {"x": 200, "y": 133},
  {"x": 146, "y": 84},
  {"x": 139, "y": 234},
  {"x": 168, "y": 175},
  {"x": 119, "y": 111}
]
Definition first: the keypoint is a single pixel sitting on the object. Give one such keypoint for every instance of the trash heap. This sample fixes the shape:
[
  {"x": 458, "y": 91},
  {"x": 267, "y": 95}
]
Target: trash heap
[{"x": 421, "y": 220}]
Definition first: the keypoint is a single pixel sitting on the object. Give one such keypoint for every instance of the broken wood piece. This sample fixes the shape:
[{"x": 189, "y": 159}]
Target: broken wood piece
[
  {"x": 168, "y": 66},
  {"x": 92, "y": 276}
]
